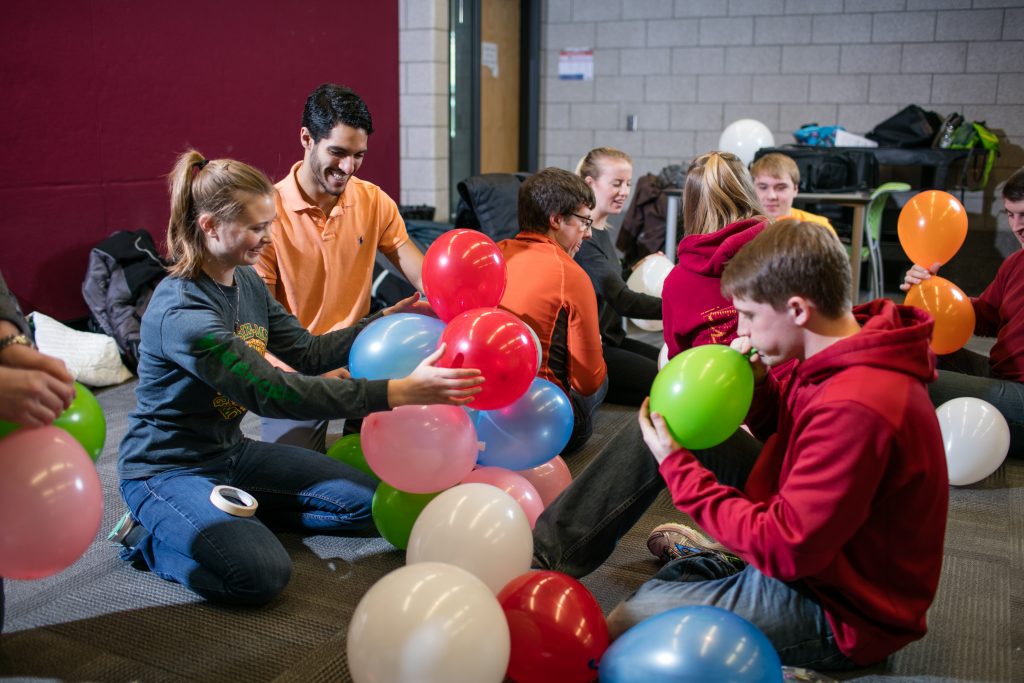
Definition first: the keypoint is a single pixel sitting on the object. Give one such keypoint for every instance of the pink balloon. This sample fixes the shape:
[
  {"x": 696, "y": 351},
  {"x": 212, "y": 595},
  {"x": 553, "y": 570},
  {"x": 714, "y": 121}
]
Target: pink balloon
[
  {"x": 498, "y": 344},
  {"x": 51, "y": 502},
  {"x": 420, "y": 449},
  {"x": 549, "y": 479},
  {"x": 513, "y": 484}
]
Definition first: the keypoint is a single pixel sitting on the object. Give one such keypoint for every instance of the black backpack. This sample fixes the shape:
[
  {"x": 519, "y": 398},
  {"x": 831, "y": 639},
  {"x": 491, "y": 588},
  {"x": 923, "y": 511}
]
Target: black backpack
[
  {"x": 911, "y": 126},
  {"x": 831, "y": 169}
]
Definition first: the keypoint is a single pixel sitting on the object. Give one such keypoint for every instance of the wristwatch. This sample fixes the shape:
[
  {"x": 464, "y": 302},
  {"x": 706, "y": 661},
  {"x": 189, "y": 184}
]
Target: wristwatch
[{"x": 16, "y": 339}]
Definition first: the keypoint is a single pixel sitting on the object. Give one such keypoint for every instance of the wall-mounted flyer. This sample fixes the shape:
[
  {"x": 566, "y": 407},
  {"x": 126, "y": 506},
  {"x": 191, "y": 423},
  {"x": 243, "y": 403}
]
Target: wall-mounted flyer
[{"x": 576, "y": 64}]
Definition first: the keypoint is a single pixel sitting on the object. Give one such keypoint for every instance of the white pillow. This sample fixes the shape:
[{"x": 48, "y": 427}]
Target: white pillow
[{"x": 92, "y": 359}]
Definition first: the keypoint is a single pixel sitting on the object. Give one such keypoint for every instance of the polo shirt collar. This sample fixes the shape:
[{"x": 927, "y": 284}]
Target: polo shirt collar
[{"x": 291, "y": 194}]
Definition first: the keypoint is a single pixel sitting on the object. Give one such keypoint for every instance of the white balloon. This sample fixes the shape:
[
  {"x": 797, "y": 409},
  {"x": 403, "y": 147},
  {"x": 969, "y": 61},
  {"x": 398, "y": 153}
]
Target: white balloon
[
  {"x": 536, "y": 341},
  {"x": 477, "y": 527},
  {"x": 976, "y": 438},
  {"x": 428, "y": 623},
  {"x": 744, "y": 137},
  {"x": 663, "y": 356},
  {"x": 649, "y": 278}
]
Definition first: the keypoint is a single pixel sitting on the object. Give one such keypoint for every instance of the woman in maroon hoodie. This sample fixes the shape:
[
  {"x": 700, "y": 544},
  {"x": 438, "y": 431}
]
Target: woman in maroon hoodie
[{"x": 720, "y": 214}]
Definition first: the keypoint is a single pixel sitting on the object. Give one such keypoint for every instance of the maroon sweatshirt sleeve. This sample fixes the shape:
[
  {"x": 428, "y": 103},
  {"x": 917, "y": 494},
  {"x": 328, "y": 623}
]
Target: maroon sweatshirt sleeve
[
  {"x": 824, "y": 499},
  {"x": 986, "y": 306}
]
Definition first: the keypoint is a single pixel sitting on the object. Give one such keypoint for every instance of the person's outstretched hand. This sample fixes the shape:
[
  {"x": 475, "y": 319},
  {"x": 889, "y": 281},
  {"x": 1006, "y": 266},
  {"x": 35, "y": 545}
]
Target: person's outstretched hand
[
  {"x": 411, "y": 304},
  {"x": 916, "y": 275},
  {"x": 743, "y": 345},
  {"x": 428, "y": 384}
]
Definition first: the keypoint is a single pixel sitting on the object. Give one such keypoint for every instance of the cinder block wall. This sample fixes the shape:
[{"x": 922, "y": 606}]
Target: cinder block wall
[{"x": 687, "y": 68}]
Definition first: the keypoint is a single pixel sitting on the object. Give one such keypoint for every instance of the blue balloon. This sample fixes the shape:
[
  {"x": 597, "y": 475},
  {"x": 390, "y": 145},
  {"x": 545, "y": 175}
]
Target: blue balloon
[
  {"x": 529, "y": 432},
  {"x": 696, "y": 643},
  {"x": 391, "y": 347}
]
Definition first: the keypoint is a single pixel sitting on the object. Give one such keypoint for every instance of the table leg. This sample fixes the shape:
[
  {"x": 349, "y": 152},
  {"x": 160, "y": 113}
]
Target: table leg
[
  {"x": 671, "y": 216},
  {"x": 856, "y": 245}
]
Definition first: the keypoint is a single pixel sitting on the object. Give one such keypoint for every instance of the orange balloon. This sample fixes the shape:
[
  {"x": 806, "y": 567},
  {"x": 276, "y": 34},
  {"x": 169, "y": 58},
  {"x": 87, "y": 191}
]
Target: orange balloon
[
  {"x": 951, "y": 309},
  {"x": 932, "y": 227}
]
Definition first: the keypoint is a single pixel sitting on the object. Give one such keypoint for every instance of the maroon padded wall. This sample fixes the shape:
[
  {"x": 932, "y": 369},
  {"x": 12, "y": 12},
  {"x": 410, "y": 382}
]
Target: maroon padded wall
[{"x": 99, "y": 98}]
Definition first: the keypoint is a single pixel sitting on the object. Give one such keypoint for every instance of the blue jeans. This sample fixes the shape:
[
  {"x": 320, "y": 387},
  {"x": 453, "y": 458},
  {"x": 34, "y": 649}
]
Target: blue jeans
[
  {"x": 966, "y": 373},
  {"x": 311, "y": 434},
  {"x": 581, "y": 528},
  {"x": 787, "y": 614},
  {"x": 239, "y": 560},
  {"x": 583, "y": 410}
]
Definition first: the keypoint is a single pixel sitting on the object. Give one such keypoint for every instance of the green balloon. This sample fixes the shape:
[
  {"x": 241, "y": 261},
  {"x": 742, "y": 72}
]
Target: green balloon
[
  {"x": 349, "y": 450},
  {"x": 704, "y": 394},
  {"x": 394, "y": 512},
  {"x": 84, "y": 420}
]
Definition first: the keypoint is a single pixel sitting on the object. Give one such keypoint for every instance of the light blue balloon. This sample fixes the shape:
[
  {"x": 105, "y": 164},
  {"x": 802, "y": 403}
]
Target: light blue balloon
[
  {"x": 391, "y": 347},
  {"x": 529, "y": 432},
  {"x": 697, "y": 643}
]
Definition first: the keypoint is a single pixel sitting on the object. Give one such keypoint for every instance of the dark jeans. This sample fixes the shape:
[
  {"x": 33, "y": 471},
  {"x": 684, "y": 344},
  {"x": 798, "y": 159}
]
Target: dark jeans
[
  {"x": 631, "y": 370},
  {"x": 966, "y": 373},
  {"x": 581, "y": 528},
  {"x": 583, "y": 410},
  {"x": 239, "y": 560}
]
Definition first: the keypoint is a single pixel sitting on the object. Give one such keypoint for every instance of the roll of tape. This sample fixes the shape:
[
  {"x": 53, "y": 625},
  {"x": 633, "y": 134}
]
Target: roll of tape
[{"x": 224, "y": 498}]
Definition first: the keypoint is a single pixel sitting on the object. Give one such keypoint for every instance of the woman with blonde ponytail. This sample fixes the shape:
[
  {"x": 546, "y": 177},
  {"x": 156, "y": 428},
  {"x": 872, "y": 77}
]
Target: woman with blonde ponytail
[
  {"x": 721, "y": 213},
  {"x": 202, "y": 366},
  {"x": 632, "y": 364}
]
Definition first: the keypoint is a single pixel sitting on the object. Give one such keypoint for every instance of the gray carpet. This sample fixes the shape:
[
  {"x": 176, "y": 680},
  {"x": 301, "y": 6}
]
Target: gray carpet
[{"x": 100, "y": 620}]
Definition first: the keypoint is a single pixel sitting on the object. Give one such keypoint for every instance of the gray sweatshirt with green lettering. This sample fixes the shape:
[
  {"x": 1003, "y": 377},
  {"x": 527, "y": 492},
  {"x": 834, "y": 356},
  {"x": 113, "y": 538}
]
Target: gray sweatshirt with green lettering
[{"x": 201, "y": 367}]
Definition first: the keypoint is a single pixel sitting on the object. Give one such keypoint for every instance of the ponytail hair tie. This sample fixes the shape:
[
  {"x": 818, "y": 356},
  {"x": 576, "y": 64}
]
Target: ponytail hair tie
[{"x": 199, "y": 166}]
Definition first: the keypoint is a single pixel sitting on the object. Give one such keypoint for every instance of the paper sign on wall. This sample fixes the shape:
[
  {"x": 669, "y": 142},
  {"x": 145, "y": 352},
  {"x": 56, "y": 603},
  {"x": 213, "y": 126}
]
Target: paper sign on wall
[
  {"x": 576, "y": 64},
  {"x": 489, "y": 57}
]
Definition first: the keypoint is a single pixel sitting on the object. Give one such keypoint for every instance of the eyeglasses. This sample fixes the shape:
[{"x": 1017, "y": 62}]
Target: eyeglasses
[{"x": 587, "y": 222}]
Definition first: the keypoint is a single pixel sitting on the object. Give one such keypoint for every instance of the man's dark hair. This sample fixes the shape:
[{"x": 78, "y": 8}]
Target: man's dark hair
[
  {"x": 551, "y": 192},
  {"x": 331, "y": 104},
  {"x": 1013, "y": 190}
]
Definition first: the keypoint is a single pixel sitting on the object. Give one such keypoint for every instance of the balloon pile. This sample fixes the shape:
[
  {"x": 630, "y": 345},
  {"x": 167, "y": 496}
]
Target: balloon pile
[
  {"x": 697, "y": 643},
  {"x": 649, "y": 278},
  {"x": 932, "y": 227},
  {"x": 51, "y": 500},
  {"x": 704, "y": 394},
  {"x": 975, "y": 436}
]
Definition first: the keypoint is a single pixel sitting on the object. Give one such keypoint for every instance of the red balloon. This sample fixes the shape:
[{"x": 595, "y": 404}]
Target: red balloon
[
  {"x": 557, "y": 627},
  {"x": 463, "y": 269},
  {"x": 497, "y": 343},
  {"x": 51, "y": 502}
]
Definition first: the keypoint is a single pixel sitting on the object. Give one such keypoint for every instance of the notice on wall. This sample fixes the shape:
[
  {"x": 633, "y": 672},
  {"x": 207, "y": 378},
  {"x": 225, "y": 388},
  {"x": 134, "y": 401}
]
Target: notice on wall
[
  {"x": 576, "y": 64},
  {"x": 489, "y": 57}
]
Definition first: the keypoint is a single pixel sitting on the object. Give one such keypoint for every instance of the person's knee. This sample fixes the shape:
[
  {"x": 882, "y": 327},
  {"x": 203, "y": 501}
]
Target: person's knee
[{"x": 259, "y": 577}]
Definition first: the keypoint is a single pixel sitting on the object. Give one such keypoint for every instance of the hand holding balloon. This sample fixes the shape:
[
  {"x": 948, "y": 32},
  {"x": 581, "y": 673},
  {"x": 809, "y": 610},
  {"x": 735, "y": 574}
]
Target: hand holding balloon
[
  {"x": 916, "y": 275},
  {"x": 429, "y": 384},
  {"x": 757, "y": 366},
  {"x": 655, "y": 433}
]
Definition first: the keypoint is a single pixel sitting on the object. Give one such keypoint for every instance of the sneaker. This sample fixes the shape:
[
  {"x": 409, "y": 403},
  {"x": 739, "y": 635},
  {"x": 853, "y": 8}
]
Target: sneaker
[
  {"x": 672, "y": 541},
  {"x": 121, "y": 530}
]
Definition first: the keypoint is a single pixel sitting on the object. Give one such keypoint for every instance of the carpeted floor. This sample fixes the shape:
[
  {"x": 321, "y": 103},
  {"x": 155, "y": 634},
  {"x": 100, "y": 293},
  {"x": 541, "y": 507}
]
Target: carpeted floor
[{"x": 100, "y": 620}]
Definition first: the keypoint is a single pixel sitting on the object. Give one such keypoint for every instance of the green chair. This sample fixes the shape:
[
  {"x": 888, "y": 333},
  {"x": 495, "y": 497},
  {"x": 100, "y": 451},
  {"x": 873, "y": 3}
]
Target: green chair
[{"x": 872, "y": 251}]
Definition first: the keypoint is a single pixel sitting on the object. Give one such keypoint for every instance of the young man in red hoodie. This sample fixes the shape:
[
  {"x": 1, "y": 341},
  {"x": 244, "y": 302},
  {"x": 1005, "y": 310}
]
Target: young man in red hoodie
[
  {"x": 999, "y": 312},
  {"x": 838, "y": 520}
]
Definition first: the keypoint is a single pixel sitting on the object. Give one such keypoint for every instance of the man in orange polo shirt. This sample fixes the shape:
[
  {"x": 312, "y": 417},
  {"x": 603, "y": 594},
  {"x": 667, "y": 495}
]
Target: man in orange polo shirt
[
  {"x": 330, "y": 226},
  {"x": 551, "y": 293}
]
